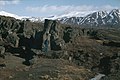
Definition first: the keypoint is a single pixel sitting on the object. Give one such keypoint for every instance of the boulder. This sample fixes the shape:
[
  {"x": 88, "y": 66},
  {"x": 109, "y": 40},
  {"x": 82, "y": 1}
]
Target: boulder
[
  {"x": 12, "y": 38},
  {"x": 67, "y": 34}
]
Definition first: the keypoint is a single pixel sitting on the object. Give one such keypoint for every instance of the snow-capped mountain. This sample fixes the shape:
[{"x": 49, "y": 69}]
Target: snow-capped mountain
[
  {"x": 100, "y": 18},
  {"x": 90, "y": 18},
  {"x": 114, "y": 16},
  {"x": 68, "y": 15},
  {"x": 3, "y": 13},
  {"x": 95, "y": 18}
]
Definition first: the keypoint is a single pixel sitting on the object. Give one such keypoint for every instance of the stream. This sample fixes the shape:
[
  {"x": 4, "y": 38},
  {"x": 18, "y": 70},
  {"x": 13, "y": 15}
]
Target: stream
[{"x": 98, "y": 77}]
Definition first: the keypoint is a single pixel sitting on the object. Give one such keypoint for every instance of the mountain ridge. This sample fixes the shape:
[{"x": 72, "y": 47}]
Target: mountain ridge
[
  {"x": 94, "y": 18},
  {"x": 4, "y": 13},
  {"x": 100, "y": 18}
]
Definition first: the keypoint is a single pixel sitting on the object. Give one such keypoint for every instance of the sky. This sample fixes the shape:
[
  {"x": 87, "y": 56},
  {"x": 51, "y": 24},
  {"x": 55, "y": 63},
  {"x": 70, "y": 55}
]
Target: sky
[{"x": 45, "y": 8}]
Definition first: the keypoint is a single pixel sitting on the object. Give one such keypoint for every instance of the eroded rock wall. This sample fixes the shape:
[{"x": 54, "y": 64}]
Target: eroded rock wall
[{"x": 51, "y": 36}]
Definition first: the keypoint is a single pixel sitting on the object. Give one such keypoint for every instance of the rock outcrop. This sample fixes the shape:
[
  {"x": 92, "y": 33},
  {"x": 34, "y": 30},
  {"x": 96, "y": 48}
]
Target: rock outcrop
[{"x": 51, "y": 36}]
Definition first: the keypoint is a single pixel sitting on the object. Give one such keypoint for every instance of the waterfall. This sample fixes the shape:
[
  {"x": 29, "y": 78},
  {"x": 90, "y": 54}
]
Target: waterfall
[{"x": 98, "y": 77}]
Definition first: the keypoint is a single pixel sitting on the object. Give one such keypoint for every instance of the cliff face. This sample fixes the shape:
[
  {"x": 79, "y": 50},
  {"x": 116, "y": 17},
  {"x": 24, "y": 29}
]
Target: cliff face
[
  {"x": 51, "y": 36},
  {"x": 11, "y": 28}
]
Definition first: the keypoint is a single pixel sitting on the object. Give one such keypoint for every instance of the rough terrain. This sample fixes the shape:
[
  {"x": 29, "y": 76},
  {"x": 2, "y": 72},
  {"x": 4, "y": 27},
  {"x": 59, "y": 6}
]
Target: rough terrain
[{"x": 55, "y": 51}]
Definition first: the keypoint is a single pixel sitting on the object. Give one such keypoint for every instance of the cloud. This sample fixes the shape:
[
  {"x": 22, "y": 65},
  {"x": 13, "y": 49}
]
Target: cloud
[
  {"x": 54, "y": 9},
  {"x": 16, "y": 1},
  {"x": 67, "y": 8},
  {"x": 108, "y": 7},
  {"x": 5, "y": 2},
  {"x": 57, "y": 10}
]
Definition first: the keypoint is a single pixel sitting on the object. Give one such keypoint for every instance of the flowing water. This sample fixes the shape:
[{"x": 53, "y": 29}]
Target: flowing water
[{"x": 98, "y": 77}]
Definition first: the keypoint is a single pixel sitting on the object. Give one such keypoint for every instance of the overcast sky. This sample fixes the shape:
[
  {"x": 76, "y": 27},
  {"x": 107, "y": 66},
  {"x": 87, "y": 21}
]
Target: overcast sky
[{"x": 39, "y": 8}]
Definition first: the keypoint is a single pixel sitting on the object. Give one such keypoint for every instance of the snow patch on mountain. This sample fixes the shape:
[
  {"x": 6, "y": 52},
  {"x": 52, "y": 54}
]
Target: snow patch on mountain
[
  {"x": 69, "y": 15},
  {"x": 89, "y": 18},
  {"x": 98, "y": 18},
  {"x": 3, "y": 13}
]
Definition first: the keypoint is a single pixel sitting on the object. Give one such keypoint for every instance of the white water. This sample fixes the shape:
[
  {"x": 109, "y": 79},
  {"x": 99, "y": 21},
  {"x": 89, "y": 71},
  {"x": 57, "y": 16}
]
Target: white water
[{"x": 98, "y": 77}]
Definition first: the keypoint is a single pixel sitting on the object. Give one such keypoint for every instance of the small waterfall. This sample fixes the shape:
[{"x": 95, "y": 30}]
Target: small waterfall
[{"x": 98, "y": 77}]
